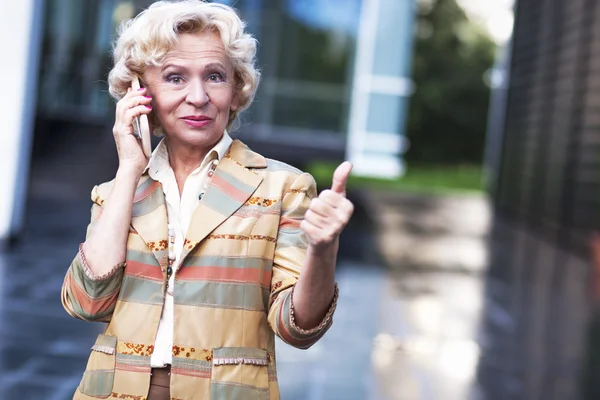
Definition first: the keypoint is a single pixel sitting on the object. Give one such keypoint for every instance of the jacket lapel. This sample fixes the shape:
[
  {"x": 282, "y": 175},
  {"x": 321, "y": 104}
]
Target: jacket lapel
[
  {"x": 149, "y": 218},
  {"x": 230, "y": 187}
]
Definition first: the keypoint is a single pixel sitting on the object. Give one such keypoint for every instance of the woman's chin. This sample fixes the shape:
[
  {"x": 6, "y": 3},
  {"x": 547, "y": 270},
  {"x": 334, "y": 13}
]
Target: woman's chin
[{"x": 196, "y": 137}]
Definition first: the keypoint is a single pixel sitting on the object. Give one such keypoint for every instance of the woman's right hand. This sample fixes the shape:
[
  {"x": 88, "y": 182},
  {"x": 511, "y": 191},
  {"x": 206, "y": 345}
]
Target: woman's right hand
[{"x": 129, "y": 148}]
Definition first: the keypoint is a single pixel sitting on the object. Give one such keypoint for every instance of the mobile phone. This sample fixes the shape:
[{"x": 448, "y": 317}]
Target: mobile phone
[{"x": 141, "y": 125}]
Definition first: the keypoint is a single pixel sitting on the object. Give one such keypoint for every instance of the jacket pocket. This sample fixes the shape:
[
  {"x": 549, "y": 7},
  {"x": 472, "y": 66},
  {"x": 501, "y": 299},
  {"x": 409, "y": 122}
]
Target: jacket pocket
[
  {"x": 99, "y": 374},
  {"x": 239, "y": 373}
]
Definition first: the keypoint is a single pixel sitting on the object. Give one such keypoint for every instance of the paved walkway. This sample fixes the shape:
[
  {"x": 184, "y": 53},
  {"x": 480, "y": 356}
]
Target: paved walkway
[
  {"x": 402, "y": 335},
  {"x": 459, "y": 314},
  {"x": 339, "y": 366},
  {"x": 43, "y": 351},
  {"x": 431, "y": 233},
  {"x": 407, "y": 333},
  {"x": 436, "y": 251}
]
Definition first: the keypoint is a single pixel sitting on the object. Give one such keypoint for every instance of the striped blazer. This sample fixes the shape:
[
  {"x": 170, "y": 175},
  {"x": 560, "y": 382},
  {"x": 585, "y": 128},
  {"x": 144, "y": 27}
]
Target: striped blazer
[{"x": 241, "y": 259}]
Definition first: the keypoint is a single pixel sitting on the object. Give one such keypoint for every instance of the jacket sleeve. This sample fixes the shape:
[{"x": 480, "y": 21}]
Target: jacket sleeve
[
  {"x": 290, "y": 252},
  {"x": 84, "y": 295}
]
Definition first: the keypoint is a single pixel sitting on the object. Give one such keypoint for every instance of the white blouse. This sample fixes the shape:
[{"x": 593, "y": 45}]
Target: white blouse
[{"x": 179, "y": 214}]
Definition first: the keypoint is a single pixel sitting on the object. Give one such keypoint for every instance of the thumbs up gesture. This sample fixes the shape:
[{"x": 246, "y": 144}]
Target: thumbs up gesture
[{"x": 329, "y": 213}]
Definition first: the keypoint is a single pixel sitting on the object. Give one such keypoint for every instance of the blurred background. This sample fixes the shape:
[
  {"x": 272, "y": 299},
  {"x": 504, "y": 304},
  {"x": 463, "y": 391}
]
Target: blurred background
[{"x": 471, "y": 268}]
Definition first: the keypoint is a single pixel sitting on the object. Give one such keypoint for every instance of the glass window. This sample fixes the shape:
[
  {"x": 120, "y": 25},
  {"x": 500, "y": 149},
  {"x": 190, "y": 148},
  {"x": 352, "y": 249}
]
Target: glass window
[
  {"x": 76, "y": 58},
  {"x": 305, "y": 53}
]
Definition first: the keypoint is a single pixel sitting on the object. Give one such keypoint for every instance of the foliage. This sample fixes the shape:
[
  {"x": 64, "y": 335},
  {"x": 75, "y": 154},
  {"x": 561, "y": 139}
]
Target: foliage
[
  {"x": 418, "y": 178},
  {"x": 448, "y": 111}
]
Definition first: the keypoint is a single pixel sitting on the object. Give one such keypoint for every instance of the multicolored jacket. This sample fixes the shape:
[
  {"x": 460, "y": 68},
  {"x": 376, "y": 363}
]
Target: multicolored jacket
[{"x": 242, "y": 256}]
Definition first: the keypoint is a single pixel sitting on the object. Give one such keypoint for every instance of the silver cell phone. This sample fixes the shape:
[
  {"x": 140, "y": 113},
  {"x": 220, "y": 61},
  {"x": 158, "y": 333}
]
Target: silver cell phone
[{"x": 141, "y": 125}]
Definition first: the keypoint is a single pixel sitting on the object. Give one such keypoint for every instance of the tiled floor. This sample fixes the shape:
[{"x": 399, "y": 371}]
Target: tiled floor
[
  {"x": 516, "y": 324},
  {"x": 364, "y": 356},
  {"x": 43, "y": 351}
]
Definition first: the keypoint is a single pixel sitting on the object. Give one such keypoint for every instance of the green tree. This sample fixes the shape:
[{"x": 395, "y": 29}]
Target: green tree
[{"x": 448, "y": 111}]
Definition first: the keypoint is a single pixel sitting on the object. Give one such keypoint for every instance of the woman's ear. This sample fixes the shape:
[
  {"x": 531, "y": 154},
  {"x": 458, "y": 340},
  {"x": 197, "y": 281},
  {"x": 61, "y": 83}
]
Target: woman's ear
[{"x": 235, "y": 102}]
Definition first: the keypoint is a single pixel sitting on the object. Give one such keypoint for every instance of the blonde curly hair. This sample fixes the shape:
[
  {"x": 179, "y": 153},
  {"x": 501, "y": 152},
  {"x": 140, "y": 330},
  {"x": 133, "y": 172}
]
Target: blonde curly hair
[{"x": 146, "y": 39}]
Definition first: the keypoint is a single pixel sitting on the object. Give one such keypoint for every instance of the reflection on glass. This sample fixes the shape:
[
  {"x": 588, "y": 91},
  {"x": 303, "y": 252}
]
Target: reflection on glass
[
  {"x": 76, "y": 58},
  {"x": 305, "y": 52},
  {"x": 306, "y": 56}
]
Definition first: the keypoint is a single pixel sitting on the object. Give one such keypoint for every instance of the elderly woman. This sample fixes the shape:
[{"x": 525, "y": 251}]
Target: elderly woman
[{"x": 198, "y": 256}]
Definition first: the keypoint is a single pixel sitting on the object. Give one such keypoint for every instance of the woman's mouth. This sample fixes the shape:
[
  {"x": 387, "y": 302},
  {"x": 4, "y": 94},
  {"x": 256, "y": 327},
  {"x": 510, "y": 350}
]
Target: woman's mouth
[{"x": 197, "y": 121}]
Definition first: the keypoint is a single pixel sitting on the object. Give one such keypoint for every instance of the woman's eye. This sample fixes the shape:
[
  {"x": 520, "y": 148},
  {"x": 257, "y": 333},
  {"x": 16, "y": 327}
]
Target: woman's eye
[
  {"x": 216, "y": 77},
  {"x": 176, "y": 79}
]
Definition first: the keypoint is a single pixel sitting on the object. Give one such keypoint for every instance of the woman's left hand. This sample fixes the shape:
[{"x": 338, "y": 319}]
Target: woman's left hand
[{"x": 329, "y": 213}]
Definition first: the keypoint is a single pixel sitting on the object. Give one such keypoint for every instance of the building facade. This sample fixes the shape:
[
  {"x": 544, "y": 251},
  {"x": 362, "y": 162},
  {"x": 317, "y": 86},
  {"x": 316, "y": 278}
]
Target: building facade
[
  {"x": 335, "y": 82},
  {"x": 310, "y": 63},
  {"x": 540, "y": 337}
]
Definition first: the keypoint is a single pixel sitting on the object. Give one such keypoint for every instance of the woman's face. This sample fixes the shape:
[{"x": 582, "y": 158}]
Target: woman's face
[{"x": 193, "y": 90}]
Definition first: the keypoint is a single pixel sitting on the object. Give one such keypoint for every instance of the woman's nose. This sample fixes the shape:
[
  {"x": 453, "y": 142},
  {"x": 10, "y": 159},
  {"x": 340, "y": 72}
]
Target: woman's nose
[{"x": 197, "y": 94}]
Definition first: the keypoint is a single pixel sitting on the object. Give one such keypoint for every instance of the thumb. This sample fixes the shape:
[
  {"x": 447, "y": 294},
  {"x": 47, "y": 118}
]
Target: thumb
[{"x": 340, "y": 177}]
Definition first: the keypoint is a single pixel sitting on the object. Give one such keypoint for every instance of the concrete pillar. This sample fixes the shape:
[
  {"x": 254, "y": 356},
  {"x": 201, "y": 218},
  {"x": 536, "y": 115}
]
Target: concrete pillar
[
  {"x": 499, "y": 80},
  {"x": 381, "y": 88},
  {"x": 21, "y": 25}
]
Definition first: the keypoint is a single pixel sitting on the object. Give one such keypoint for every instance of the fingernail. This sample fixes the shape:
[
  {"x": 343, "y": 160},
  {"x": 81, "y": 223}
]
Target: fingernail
[
  {"x": 150, "y": 107},
  {"x": 140, "y": 89},
  {"x": 148, "y": 97}
]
